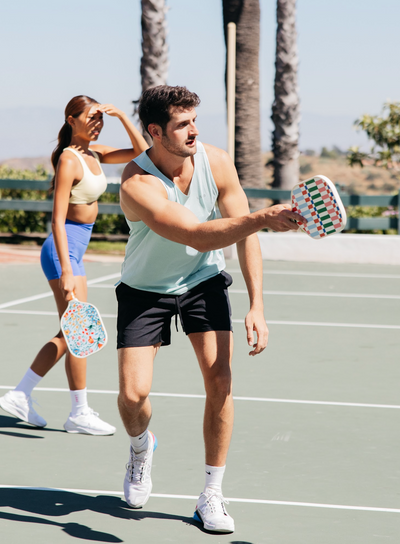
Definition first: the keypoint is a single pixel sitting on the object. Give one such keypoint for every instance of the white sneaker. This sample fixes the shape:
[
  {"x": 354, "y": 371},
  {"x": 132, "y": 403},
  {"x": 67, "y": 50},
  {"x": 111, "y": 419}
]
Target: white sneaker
[
  {"x": 137, "y": 483},
  {"x": 211, "y": 511},
  {"x": 88, "y": 423},
  {"x": 20, "y": 405}
]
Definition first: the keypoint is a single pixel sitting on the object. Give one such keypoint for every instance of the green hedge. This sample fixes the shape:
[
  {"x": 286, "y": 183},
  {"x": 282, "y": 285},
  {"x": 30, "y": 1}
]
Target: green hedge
[{"x": 14, "y": 221}]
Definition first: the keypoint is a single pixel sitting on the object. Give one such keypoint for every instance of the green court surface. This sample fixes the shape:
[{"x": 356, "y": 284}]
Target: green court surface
[{"x": 315, "y": 454}]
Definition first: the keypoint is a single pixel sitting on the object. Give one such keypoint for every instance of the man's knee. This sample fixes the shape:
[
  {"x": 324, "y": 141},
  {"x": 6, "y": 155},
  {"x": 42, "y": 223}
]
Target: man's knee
[
  {"x": 132, "y": 399},
  {"x": 219, "y": 382}
]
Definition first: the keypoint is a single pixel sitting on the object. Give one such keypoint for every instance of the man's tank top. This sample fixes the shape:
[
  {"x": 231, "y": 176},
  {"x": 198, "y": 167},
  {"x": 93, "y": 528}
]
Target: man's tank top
[
  {"x": 91, "y": 185},
  {"x": 153, "y": 263}
]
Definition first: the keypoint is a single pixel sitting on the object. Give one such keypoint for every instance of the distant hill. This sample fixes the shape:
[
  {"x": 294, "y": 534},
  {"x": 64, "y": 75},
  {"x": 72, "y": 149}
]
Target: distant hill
[
  {"x": 32, "y": 132},
  {"x": 355, "y": 180},
  {"x": 28, "y": 163}
]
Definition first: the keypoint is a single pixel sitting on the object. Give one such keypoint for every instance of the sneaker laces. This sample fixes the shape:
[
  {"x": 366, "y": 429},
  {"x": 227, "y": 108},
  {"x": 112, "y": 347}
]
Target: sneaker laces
[
  {"x": 215, "y": 500},
  {"x": 30, "y": 400},
  {"x": 88, "y": 412},
  {"x": 138, "y": 467},
  {"x": 91, "y": 412}
]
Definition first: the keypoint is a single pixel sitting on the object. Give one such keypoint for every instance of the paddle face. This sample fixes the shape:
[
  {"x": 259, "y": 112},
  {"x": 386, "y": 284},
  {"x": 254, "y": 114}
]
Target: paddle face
[
  {"x": 83, "y": 329},
  {"x": 318, "y": 201}
]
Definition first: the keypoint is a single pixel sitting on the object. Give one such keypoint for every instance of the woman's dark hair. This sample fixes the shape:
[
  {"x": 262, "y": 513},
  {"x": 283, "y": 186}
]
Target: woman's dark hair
[
  {"x": 74, "y": 108},
  {"x": 155, "y": 104}
]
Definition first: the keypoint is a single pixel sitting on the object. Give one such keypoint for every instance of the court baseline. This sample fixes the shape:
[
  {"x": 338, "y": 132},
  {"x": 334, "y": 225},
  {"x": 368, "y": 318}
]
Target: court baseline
[
  {"x": 250, "y": 399},
  {"x": 229, "y": 499},
  {"x": 322, "y": 274}
]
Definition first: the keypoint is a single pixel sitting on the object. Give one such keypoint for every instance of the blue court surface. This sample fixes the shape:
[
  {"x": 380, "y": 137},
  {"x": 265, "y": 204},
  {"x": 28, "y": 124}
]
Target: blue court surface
[{"x": 315, "y": 454}]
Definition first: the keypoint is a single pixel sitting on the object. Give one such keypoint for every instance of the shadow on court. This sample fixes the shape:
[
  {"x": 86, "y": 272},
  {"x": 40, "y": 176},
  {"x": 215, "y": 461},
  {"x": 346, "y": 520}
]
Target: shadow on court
[
  {"x": 60, "y": 503},
  {"x": 9, "y": 422}
]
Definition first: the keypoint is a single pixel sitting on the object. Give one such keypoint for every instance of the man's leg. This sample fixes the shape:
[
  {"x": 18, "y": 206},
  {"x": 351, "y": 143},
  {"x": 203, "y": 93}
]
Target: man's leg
[
  {"x": 214, "y": 353},
  {"x": 135, "y": 376}
]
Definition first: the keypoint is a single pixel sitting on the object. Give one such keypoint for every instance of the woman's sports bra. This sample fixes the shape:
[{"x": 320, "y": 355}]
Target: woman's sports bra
[{"x": 91, "y": 186}]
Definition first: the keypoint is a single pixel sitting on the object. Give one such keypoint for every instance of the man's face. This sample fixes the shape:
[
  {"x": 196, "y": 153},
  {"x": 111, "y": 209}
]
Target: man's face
[{"x": 179, "y": 136}]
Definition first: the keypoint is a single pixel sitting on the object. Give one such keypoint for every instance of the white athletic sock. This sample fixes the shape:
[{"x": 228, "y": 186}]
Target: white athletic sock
[
  {"x": 28, "y": 382},
  {"x": 79, "y": 401},
  {"x": 214, "y": 477},
  {"x": 141, "y": 442}
]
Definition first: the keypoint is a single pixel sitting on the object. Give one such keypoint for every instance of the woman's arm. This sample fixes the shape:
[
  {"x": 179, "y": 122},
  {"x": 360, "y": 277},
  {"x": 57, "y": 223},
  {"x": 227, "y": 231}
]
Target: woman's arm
[
  {"x": 111, "y": 155},
  {"x": 65, "y": 176}
]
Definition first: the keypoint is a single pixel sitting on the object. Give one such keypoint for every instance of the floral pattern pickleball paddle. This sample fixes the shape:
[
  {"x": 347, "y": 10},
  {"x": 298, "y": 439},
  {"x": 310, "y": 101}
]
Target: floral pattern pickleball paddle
[
  {"x": 83, "y": 328},
  {"x": 318, "y": 201}
]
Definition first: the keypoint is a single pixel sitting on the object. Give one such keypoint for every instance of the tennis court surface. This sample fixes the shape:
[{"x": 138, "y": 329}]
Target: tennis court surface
[{"x": 315, "y": 455}]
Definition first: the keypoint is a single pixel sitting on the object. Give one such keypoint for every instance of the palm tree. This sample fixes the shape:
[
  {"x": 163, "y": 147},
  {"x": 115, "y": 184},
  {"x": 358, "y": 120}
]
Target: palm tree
[
  {"x": 286, "y": 107},
  {"x": 246, "y": 15},
  {"x": 154, "y": 62}
]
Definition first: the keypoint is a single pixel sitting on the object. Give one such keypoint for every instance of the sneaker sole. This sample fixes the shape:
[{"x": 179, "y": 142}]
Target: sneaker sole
[
  {"x": 197, "y": 517},
  {"x": 151, "y": 486},
  {"x": 83, "y": 430},
  {"x": 10, "y": 409},
  {"x": 155, "y": 441},
  {"x": 144, "y": 501}
]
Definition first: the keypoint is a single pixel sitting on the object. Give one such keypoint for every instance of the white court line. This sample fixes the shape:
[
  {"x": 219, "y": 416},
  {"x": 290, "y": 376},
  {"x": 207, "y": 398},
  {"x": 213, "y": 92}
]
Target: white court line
[
  {"x": 314, "y": 294},
  {"x": 322, "y": 274},
  {"x": 250, "y": 399},
  {"x": 269, "y": 321},
  {"x": 28, "y": 312},
  {"x": 230, "y": 499},
  {"x": 324, "y": 324},
  {"x": 38, "y": 312},
  {"x": 294, "y": 293},
  {"x": 27, "y": 299},
  {"x": 49, "y": 293}
]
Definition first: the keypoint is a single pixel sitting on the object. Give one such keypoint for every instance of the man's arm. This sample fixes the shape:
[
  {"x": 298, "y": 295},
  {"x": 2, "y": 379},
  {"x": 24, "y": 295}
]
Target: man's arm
[
  {"x": 233, "y": 202},
  {"x": 144, "y": 198}
]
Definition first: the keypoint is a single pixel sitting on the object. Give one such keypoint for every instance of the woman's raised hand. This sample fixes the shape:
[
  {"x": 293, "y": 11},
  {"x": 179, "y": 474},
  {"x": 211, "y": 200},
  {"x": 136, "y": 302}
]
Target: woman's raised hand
[{"x": 111, "y": 110}]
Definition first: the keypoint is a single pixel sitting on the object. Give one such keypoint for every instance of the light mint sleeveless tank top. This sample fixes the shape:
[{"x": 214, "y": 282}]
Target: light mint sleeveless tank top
[{"x": 153, "y": 263}]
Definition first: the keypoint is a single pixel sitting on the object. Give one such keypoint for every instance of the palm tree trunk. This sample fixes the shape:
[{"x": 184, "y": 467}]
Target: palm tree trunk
[
  {"x": 246, "y": 15},
  {"x": 286, "y": 106},
  {"x": 154, "y": 62}
]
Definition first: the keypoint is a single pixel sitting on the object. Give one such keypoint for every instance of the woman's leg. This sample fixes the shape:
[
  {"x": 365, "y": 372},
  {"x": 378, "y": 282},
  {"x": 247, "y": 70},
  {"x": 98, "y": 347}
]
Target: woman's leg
[
  {"x": 18, "y": 402},
  {"x": 82, "y": 419},
  {"x": 52, "y": 352},
  {"x": 75, "y": 368}
]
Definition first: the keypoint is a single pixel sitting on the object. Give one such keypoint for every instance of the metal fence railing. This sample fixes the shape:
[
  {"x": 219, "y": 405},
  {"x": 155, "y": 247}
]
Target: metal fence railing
[{"x": 356, "y": 223}]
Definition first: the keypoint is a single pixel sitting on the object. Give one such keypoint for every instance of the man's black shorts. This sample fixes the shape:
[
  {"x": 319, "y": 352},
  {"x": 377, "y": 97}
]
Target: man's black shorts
[{"x": 144, "y": 317}]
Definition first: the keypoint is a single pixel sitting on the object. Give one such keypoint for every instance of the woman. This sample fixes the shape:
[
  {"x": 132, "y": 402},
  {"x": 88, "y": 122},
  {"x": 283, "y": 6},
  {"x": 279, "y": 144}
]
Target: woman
[{"x": 78, "y": 182}]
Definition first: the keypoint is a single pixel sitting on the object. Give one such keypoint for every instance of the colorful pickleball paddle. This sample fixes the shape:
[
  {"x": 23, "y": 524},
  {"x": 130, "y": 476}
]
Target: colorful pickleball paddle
[
  {"x": 318, "y": 201},
  {"x": 83, "y": 328}
]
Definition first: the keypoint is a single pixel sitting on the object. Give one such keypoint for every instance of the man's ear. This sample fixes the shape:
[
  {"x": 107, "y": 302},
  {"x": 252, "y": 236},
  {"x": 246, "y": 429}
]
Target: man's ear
[{"x": 155, "y": 131}]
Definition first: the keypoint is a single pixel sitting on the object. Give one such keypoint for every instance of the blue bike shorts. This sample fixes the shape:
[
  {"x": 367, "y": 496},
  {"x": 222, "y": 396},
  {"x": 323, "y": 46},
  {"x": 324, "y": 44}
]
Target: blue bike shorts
[{"x": 78, "y": 236}]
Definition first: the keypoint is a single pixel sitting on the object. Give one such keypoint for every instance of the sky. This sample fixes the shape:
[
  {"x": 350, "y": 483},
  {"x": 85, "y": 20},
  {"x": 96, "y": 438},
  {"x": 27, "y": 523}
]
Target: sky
[{"x": 51, "y": 51}]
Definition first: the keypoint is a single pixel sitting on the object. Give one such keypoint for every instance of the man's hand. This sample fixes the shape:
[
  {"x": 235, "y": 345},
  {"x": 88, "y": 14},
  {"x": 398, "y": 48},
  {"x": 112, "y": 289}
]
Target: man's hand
[
  {"x": 255, "y": 323},
  {"x": 280, "y": 218}
]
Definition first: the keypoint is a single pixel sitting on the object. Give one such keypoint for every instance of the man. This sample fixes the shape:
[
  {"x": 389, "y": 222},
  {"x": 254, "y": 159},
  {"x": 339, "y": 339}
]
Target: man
[{"x": 174, "y": 266}]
